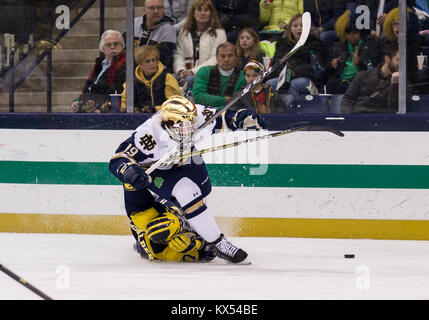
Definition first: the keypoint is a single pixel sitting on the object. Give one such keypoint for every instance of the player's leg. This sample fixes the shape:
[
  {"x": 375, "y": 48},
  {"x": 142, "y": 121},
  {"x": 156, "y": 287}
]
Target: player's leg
[
  {"x": 190, "y": 192},
  {"x": 203, "y": 222}
]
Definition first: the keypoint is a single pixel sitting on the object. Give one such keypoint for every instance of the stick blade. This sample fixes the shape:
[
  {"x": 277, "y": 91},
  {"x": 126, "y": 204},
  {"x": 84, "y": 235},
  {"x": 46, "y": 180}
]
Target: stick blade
[
  {"x": 306, "y": 27},
  {"x": 325, "y": 128}
]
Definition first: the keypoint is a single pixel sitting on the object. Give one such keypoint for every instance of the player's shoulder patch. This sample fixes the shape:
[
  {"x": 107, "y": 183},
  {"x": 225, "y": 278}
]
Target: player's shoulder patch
[
  {"x": 145, "y": 137},
  {"x": 151, "y": 138},
  {"x": 147, "y": 142}
]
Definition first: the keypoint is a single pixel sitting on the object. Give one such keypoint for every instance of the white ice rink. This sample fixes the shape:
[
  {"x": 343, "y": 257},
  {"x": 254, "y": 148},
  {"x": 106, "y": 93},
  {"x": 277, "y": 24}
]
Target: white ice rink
[{"x": 98, "y": 267}]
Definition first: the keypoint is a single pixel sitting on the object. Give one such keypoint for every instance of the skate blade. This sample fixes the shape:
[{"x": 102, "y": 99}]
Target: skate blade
[{"x": 244, "y": 262}]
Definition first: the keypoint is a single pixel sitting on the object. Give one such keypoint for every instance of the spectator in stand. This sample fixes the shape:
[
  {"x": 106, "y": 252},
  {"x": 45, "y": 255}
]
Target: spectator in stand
[
  {"x": 236, "y": 15},
  {"x": 248, "y": 47},
  {"x": 178, "y": 11},
  {"x": 391, "y": 34},
  {"x": 302, "y": 73},
  {"x": 152, "y": 83},
  {"x": 215, "y": 85},
  {"x": 262, "y": 98},
  {"x": 155, "y": 28},
  {"x": 356, "y": 52},
  {"x": 197, "y": 41},
  {"x": 106, "y": 77},
  {"x": 277, "y": 13},
  {"x": 324, "y": 13},
  {"x": 375, "y": 91}
]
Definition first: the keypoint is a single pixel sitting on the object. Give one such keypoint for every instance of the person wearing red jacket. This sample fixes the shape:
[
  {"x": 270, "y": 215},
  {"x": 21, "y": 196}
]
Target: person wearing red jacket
[{"x": 106, "y": 77}]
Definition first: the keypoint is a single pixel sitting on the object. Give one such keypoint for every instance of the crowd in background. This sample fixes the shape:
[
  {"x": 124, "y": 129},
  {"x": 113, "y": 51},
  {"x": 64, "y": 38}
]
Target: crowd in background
[{"x": 207, "y": 50}]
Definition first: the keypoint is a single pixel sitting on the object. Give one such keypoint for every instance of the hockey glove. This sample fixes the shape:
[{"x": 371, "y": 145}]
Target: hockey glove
[
  {"x": 134, "y": 175},
  {"x": 184, "y": 242},
  {"x": 246, "y": 119}
]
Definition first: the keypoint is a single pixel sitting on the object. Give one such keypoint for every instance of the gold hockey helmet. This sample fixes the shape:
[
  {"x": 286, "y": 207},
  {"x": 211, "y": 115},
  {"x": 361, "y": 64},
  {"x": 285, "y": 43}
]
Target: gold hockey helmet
[
  {"x": 179, "y": 117},
  {"x": 178, "y": 109}
]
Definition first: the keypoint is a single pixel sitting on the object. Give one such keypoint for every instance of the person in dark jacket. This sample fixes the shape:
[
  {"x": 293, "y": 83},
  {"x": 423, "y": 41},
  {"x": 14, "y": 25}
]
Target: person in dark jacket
[
  {"x": 155, "y": 28},
  {"x": 235, "y": 15},
  {"x": 356, "y": 52},
  {"x": 106, "y": 77},
  {"x": 375, "y": 91}
]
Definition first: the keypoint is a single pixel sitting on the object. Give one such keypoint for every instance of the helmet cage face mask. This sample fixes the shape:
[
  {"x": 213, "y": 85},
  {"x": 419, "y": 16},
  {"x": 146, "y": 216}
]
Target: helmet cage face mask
[
  {"x": 182, "y": 130},
  {"x": 179, "y": 117}
]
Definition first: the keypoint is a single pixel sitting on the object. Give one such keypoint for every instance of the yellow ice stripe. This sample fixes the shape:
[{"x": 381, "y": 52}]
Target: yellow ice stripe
[
  {"x": 327, "y": 228},
  {"x": 235, "y": 227},
  {"x": 64, "y": 223}
]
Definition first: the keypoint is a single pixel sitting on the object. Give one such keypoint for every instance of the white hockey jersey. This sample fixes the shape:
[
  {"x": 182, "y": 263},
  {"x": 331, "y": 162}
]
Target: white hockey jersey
[{"x": 151, "y": 139}]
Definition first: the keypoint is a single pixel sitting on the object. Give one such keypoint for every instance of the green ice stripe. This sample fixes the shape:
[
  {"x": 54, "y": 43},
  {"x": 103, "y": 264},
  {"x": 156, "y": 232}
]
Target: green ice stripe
[{"x": 232, "y": 175}]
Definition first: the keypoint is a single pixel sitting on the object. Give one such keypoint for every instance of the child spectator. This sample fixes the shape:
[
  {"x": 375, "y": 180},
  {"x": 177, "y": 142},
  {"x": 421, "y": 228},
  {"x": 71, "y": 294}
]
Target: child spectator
[
  {"x": 197, "y": 41},
  {"x": 302, "y": 73},
  {"x": 262, "y": 98},
  {"x": 152, "y": 83},
  {"x": 248, "y": 47}
]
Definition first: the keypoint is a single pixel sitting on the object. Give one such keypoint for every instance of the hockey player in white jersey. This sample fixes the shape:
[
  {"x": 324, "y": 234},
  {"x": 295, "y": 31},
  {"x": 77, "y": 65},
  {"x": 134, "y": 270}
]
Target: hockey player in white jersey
[{"x": 159, "y": 233}]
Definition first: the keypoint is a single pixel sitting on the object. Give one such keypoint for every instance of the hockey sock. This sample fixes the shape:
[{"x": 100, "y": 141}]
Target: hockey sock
[{"x": 205, "y": 224}]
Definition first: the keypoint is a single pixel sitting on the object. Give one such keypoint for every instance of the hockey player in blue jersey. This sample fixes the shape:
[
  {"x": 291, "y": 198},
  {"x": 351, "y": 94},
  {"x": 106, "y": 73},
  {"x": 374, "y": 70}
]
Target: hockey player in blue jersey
[{"x": 161, "y": 232}]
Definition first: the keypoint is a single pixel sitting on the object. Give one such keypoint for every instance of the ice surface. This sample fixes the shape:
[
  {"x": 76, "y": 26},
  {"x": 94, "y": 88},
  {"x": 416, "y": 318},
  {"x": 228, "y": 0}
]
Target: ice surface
[{"x": 105, "y": 267}]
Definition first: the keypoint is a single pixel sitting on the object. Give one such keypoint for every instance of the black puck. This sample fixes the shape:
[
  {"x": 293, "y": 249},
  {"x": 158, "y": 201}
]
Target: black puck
[{"x": 349, "y": 256}]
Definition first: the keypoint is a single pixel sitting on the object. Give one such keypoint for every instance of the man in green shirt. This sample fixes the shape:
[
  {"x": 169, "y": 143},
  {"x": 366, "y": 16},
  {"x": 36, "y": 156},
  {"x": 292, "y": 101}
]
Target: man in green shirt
[
  {"x": 357, "y": 51},
  {"x": 216, "y": 85}
]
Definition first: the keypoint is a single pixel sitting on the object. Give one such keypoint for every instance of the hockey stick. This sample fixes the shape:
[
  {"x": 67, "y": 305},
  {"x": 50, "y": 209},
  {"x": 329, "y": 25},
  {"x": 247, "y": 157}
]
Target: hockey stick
[
  {"x": 308, "y": 127},
  {"x": 24, "y": 283},
  {"x": 306, "y": 26}
]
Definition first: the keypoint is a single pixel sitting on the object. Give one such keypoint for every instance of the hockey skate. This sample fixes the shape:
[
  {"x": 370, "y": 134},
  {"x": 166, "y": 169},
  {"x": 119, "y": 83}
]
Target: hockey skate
[{"x": 227, "y": 251}]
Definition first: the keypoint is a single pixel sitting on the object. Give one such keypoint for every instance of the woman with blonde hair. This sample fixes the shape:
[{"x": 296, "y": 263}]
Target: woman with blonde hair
[
  {"x": 152, "y": 83},
  {"x": 197, "y": 41},
  {"x": 391, "y": 34}
]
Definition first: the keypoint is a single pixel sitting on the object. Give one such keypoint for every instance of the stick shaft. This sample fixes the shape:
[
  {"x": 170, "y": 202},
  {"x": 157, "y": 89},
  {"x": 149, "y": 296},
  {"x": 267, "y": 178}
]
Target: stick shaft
[
  {"x": 308, "y": 127},
  {"x": 24, "y": 283}
]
